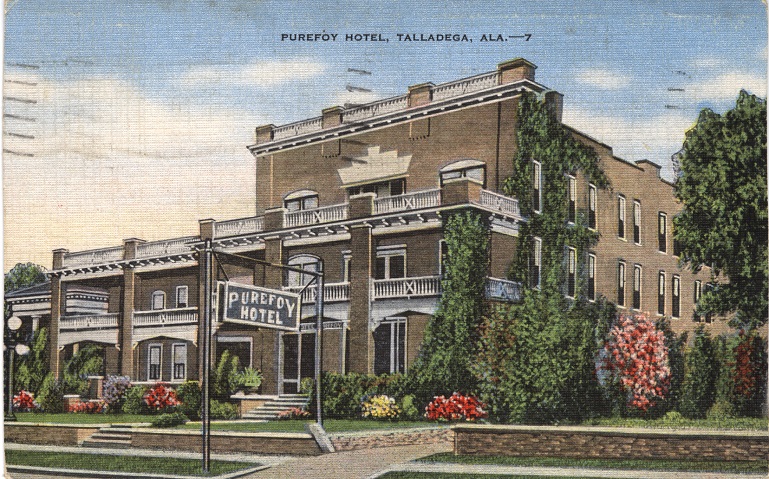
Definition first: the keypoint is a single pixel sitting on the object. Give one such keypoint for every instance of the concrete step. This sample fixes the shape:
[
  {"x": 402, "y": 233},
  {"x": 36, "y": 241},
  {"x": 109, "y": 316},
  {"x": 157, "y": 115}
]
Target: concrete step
[
  {"x": 110, "y": 436},
  {"x": 112, "y": 443}
]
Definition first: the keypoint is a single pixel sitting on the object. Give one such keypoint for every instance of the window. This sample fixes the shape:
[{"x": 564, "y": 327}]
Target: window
[
  {"x": 621, "y": 216},
  {"x": 661, "y": 294},
  {"x": 621, "y": 284},
  {"x": 637, "y": 286},
  {"x": 158, "y": 300},
  {"x": 637, "y": 222},
  {"x": 536, "y": 199},
  {"x": 443, "y": 253},
  {"x": 182, "y": 296},
  {"x": 676, "y": 243},
  {"x": 697, "y": 297},
  {"x": 591, "y": 206},
  {"x": 153, "y": 362},
  {"x": 304, "y": 262},
  {"x": 536, "y": 260},
  {"x": 676, "y": 313},
  {"x": 591, "y": 277},
  {"x": 662, "y": 227},
  {"x": 179, "y": 360},
  {"x": 571, "y": 284},
  {"x": 381, "y": 188},
  {"x": 346, "y": 263},
  {"x": 572, "y": 187},
  {"x": 473, "y": 169},
  {"x": 300, "y": 200},
  {"x": 390, "y": 263},
  {"x": 390, "y": 346}
]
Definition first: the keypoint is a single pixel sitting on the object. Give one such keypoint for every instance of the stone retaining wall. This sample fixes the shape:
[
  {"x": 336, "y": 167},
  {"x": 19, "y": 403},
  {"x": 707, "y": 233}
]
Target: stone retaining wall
[
  {"x": 225, "y": 441},
  {"x": 581, "y": 442},
  {"x": 388, "y": 438},
  {"x": 48, "y": 434}
]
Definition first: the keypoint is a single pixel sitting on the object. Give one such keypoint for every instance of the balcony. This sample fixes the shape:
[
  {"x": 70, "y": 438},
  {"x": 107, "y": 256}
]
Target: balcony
[
  {"x": 332, "y": 292},
  {"x": 93, "y": 257},
  {"x": 240, "y": 226},
  {"x": 504, "y": 204},
  {"x": 166, "y": 317},
  {"x": 408, "y": 202},
  {"x": 325, "y": 214},
  {"x": 503, "y": 290},
  {"x": 91, "y": 321},
  {"x": 165, "y": 247},
  {"x": 407, "y": 287}
]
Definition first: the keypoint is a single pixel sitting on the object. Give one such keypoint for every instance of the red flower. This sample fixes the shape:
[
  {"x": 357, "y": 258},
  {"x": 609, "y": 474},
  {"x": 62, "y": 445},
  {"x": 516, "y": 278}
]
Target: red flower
[
  {"x": 160, "y": 397},
  {"x": 456, "y": 407}
]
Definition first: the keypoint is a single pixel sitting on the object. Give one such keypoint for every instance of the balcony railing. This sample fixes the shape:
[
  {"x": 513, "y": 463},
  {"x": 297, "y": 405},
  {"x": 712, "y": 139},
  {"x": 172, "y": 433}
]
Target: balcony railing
[
  {"x": 465, "y": 86},
  {"x": 503, "y": 290},
  {"x": 298, "y": 128},
  {"x": 381, "y": 107},
  {"x": 91, "y": 321},
  {"x": 160, "y": 248},
  {"x": 164, "y": 317},
  {"x": 332, "y": 292},
  {"x": 411, "y": 201},
  {"x": 315, "y": 216},
  {"x": 407, "y": 287},
  {"x": 92, "y": 257},
  {"x": 239, "y": 227},
  {"x": 503, "y": 204}
]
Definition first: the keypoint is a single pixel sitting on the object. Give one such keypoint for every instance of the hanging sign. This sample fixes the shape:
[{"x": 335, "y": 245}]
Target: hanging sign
[{"x": 260, "y": 307}]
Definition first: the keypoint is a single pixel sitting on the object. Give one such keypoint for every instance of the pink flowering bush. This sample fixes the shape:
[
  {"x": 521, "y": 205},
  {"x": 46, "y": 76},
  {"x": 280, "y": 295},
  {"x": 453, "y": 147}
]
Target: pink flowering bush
[
  {"x": 294, "y": 413},
  {"x": 455, "y": 408},
  {"x": 160, "y": 398},
  {"x": 636, "y": 359},
  {"x": 88, "y": 407},
  {"x": 24, "y": 401}
]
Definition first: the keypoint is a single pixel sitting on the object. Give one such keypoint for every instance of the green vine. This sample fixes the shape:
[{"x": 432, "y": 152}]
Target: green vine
[{"x": 542, "y": 138}]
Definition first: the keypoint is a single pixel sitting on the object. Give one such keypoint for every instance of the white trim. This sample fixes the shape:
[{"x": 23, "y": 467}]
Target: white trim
[
  {"x": 174, "y": 363},
  {"x": 639, "y": 283},
  {"x": 537, "y": 183},
  {"x": 571, "y": 271},
  {"x": 572, "y": 198},
  {"x": 592, "y": 205},
  {"x": 186, "y": 290},
  {"x": 158, "y": 293},
  {"x": 622, "y": 215},
  {"x": 591, "y": 270},
  {"x": 149, "y": 361},
  {"x": 637, "y": 221}
]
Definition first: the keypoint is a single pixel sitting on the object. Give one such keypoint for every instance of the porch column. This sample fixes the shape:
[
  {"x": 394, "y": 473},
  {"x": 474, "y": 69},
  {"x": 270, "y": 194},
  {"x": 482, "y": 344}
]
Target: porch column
[
  {"x": 361, "y": 352},
  {"x": 58, "y": 309},
  {"x": 271, "y": 339},
  {"x": 127, "y": 359}
]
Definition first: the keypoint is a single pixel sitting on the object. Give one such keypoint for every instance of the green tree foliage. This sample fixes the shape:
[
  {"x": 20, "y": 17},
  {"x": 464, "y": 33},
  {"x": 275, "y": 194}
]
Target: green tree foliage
[
  {"x": 224, "y": 380},
  {"x": 722, "y": 184},
  {"x": 698, "y": 392},
  {"x": 88, "y": 361},
  {"x": 742, "y": 379},
  {"x": 50, "y": 396},
  {"x": 537, "y": 358},
  {"x": 33, "y": 367},
  {"x": 190, "y": 397},
  {"x": 448, "y": 350},
  {"x": 23, "y": 275}
]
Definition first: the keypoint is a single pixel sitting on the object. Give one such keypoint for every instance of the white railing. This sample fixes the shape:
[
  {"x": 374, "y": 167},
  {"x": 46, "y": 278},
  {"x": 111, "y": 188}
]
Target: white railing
[
  {"x": 411, "y": 201},
  {"x": 332, "y": 292},
  {"x": 503, "y": 204},
  {"x": 381, "y": 107},
  {"x": 298, "y": 128},
  {"x": 503, "y": 290},
  {"x": 327, "y": 325},
  {"x": 164, "y": 247},
  {"x": 94, "y": 256},
  {"x": 91, "y": 321},
  {"x": 315, "y": 216},
  {"x": 238, "y": 227},
  {"x": 163, "y": 317},
  {"x": 465, "y": 85},
  {"x": 407, "y": 287}
]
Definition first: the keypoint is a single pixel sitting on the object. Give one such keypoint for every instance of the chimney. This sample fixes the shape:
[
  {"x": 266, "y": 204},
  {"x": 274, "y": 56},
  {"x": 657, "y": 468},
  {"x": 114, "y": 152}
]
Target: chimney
[
  {"x": 554, "y": 102},
  {"x": 332, "y": 116},
  {"x": 58, "y": 258},
  {"x": 264, "y": 133},
  {"x": 420, "y": 94},
  {"x": 129, "y": 247},
  {"x": 515, "y": 70}
]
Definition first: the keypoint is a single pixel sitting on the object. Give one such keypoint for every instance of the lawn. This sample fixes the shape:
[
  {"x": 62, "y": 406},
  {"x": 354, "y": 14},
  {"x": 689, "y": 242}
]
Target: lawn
[
  {"x": 642, "y": 464},
  {"x": 130, "y": 464},
  {"x": 296, "y": 425},
  {"x": 73, "y": 418},
  {"x": 443, "y": 475},
  {"x": 738, "y": 423}
]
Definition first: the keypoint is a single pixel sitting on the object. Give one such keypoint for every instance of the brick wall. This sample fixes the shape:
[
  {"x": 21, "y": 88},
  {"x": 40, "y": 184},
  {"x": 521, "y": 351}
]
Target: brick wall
[
  {"x": 377, "y": 439},
  {"x": 48, "y": 434},
  {"x": 254, "y": 443},
  {"x": 579, "y": 442}
]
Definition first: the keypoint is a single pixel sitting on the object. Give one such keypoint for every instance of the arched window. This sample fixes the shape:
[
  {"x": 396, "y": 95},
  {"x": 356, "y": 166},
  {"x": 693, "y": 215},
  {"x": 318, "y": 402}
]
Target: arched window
[
  {"x": 301, "y": 200},
  {"x": 467, "y": 168},
  {"x": 305, "y": 262}
]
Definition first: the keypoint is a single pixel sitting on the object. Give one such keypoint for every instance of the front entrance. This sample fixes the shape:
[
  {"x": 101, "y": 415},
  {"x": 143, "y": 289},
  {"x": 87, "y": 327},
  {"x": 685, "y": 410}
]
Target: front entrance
[{"x": 298, "y": 360}]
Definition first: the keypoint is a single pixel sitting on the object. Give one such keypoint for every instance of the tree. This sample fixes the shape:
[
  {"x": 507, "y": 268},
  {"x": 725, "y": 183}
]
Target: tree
[
  {"x": 722, "y": 184},
  {"x": 23, "y": 275},
  {"x": 698, "y": 391}
]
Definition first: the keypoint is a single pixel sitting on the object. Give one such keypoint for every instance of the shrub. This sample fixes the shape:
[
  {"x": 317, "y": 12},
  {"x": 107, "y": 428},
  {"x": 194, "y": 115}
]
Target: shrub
[
  {"x": 190, "y": 397},
  {"x": 294, "y": 413},
  {"x": 307, "y": 386},
  {"x": 249, "y": 378},
  {"x": 380, "y": 407},
  {"x": 113, "y": 392},
  {"x": 24, "y": 401},
  {"x": 133, "y": 400},
  {"x": 224, "y": 380},
  {"x": 409, "y": 410},
  {"x": 698, "y": 392},
  {"x": 51, "y": 395},
  {"x": 33, "y": 367},
  {"x": 455, "y": 408},
  {"x": 160, "y": 398},
  {"x": 169, "y": 420},
  {"x": 636, "y": 359},
  {"x": 88, "y": 361},
  {"x": 721, "y": 410},
  {"x": 222, "y": 410},
  {"x": 747, "y": 367},
  {"x": 88, "y": 407}
]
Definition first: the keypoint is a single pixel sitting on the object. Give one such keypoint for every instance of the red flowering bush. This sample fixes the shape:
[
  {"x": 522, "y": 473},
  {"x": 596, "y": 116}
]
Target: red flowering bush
[
  {"x": 160, "y": 397},
  {"x": 747, "y": 369},
  {"x": 24, "y": 401},
  {"x": 455, "y": 408},
  {"x": 88, "y": 407},
  {"x": 637, "y": 359},
  {"x": 294, "y": 413}
]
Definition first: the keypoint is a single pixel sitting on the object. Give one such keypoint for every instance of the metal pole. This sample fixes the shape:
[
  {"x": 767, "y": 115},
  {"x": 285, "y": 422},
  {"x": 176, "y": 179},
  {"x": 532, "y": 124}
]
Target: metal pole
[
  {"x": 205, "y": 416},
  {"x": 10, "y": 416},
  {"x": 319, "y": 343}
]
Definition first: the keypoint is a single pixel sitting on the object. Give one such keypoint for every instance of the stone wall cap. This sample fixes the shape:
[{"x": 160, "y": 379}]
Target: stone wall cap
[
  {"x": 620, "y": 431},
  {"x": 388, "y": 432}
]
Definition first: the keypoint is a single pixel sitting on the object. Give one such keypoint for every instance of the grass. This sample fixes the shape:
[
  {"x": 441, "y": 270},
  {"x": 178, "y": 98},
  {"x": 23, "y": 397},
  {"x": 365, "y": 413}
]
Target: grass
[
  {"x": 443, "y": 475},
  {"x": 72, "y": 418},
  {"x": 130, "y": 464},
  {"x": 643, "y": 464},
  {"x": 738, "y": 423},
  {"x": 296, "y": 425}
]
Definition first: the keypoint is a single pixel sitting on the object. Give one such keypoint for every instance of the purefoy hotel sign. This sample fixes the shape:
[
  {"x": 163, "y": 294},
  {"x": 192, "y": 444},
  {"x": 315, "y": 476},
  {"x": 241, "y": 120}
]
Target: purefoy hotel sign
[{"x": 261, "y": 307}]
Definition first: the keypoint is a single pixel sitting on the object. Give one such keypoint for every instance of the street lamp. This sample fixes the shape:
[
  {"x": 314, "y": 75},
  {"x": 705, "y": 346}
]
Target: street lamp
[{"x": 12, "y": 345}]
